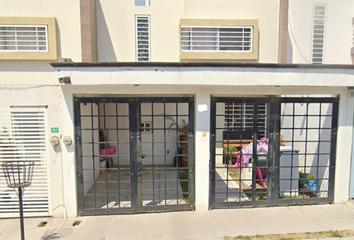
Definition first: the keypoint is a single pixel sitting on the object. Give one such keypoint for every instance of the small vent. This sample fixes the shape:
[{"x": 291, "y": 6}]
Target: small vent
[
  {"x": 23, "y": 38},
  {"x": 318, "y": 34},
  {"x": 143, "y": 38}
]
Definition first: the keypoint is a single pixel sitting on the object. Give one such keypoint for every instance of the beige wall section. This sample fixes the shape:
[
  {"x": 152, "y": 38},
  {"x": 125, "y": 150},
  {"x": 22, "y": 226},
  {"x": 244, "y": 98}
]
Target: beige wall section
[
  {"x": 26, "y": 72},
  {"x": 67, "y": 14},
  {"x": 51, "y": 55},
  {"x": 338, "y": 31},
  {"x": 116, "y": 30},
  {"x": 265, "y": 11}
]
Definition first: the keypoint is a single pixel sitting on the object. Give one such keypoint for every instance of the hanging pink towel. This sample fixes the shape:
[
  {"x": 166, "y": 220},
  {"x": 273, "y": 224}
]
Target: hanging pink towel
[
  {"x": 260, "y": 177},
  {"x": 239, "y": 162},
  {"x": 108, "y": 151}
]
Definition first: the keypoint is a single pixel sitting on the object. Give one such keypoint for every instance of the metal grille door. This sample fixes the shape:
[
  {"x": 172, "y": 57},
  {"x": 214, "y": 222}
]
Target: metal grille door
[
  {"x": 167, "y": 161},
  {"x": 308, "y": 130},
  {"x": 23, "y": 138},
  {"x": 131, "y": 157},
  {"x": 294, "y": 161},
  {"x": 239, "y": 171}
]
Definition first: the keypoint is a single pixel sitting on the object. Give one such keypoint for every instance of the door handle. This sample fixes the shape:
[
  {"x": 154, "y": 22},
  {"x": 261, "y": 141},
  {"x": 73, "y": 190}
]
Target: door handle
[{"x": 143, "y": 156}]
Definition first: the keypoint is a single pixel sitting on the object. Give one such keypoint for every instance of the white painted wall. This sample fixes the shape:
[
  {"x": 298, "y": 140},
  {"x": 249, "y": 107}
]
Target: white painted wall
[
  {"x": 207, "y": 76},
  {"x": 152, "y": 142},
  {"x": 60, "y": 114},
  {"x": 338, "y": 31},
  {"x": 203, "y": 94},
  {"x": 302, "y": 138},
  {"x": 49, "y": 96}
]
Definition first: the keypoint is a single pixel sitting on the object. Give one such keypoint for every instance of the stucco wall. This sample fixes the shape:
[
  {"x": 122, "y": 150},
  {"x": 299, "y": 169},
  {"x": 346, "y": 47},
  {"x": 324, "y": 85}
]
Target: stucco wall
[
  {"x": 44, "y": 96},
  {"x": 338, "y": 31},
  {"x": 265, "y": 11},
  {"x": 67, "y": 14},
  {"x": 116, "y": 30}
]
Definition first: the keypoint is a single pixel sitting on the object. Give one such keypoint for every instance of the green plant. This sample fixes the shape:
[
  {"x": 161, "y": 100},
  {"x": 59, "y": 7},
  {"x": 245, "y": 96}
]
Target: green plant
[
  {"x": 335, "y": 234},
  {"x": 182, "y": 127},
  {"x": 311, "y": 177},
  {"x": 231, "y": 151},
  {"x": 184, "y": 181}
]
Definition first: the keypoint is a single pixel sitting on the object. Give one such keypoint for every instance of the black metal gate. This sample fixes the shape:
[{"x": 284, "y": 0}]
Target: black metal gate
[
  {"x": 294, "y": 160},
  {"x": 134, "y": 154}
]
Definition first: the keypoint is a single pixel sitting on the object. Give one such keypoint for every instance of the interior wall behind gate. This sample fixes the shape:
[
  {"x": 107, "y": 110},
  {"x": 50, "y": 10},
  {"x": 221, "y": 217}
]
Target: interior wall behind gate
[
  {"x": 150, "y": 114},
  {"x": 310, "y": 135}
]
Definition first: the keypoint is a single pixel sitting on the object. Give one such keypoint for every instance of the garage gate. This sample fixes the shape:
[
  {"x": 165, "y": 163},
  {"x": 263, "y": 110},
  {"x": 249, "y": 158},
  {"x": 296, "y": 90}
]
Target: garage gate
[
  {"x": 134, "y": 154},
  {"x": 294, "y": 161}
]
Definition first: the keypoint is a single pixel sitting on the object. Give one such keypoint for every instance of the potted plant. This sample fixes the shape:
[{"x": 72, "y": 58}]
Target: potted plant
[
  {"x": 182, "y": 128},
  {"x": 230, "y": 153},
  {"x": 312, "y": 180}
]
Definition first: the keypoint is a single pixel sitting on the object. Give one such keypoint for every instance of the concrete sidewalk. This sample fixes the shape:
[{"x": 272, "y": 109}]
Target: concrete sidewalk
[{"x": 209, "y": 225}]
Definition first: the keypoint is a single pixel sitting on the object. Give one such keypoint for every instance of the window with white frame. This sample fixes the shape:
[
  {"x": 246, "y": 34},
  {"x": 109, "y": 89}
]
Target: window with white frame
[
  {"x": 23, "y": 38},
  {"x": 146, "y": 127},
  {"x": 319, "y": 18},
  {"x": 142, "y": 2},
  {"x": 241, "y": 116},
  {"x": 143, "y": 38},
  {"x": 210, "y": 38}
]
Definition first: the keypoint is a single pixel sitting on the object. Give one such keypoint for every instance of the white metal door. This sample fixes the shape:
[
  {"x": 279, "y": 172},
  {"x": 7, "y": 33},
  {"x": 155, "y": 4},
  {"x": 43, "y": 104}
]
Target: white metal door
[{"x": 23, "y": 138}]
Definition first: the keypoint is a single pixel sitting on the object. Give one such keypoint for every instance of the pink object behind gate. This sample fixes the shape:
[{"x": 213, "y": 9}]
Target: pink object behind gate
[{"x": 108, "y": 151}]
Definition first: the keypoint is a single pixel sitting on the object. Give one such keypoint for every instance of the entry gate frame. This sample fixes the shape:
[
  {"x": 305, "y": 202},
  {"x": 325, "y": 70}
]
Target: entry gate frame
[
  {"x": 135, "y": 154},
  {"x": 274, "y": 152}
]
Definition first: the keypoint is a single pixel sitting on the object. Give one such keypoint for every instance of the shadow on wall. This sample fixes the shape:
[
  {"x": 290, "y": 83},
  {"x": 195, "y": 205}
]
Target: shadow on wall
[
  {"x": 105, "y": 47},
  {"x": 289, "y": 50},
  {"x": 25, "y": 66}
]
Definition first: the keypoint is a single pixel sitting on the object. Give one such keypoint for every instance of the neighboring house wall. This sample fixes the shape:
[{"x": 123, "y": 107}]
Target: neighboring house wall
[
  {"x": 27, "y": 95},
  {"x": 67, "y": 15},
  {"x": 338, "y": 39}
]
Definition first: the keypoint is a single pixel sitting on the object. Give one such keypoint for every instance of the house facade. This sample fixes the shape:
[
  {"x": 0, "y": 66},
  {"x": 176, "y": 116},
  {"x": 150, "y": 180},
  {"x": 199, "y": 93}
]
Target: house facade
[{"x": 140, "y": 106}]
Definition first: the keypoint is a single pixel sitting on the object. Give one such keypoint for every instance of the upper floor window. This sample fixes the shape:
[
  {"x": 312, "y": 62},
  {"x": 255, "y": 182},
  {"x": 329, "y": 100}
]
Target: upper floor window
[
  {"x": 205, "y": 38},
  {"x": 143, "y": 38},
  {"x": 318, "y": 34},
  {"x": 28, "y": 38},
  {"x": 23, "y": 38},
  {"x": 142, "y": 2},
  {"x": 218, "y": 40}
]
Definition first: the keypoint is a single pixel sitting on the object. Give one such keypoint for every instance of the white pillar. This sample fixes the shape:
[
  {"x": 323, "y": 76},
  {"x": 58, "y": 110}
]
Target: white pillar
[
  {"x": 350, "y": 113},
  {"x": 202, "y": 151},
  {"x": 344, "y": 143},
  {"x": 68, "y": 155}
]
